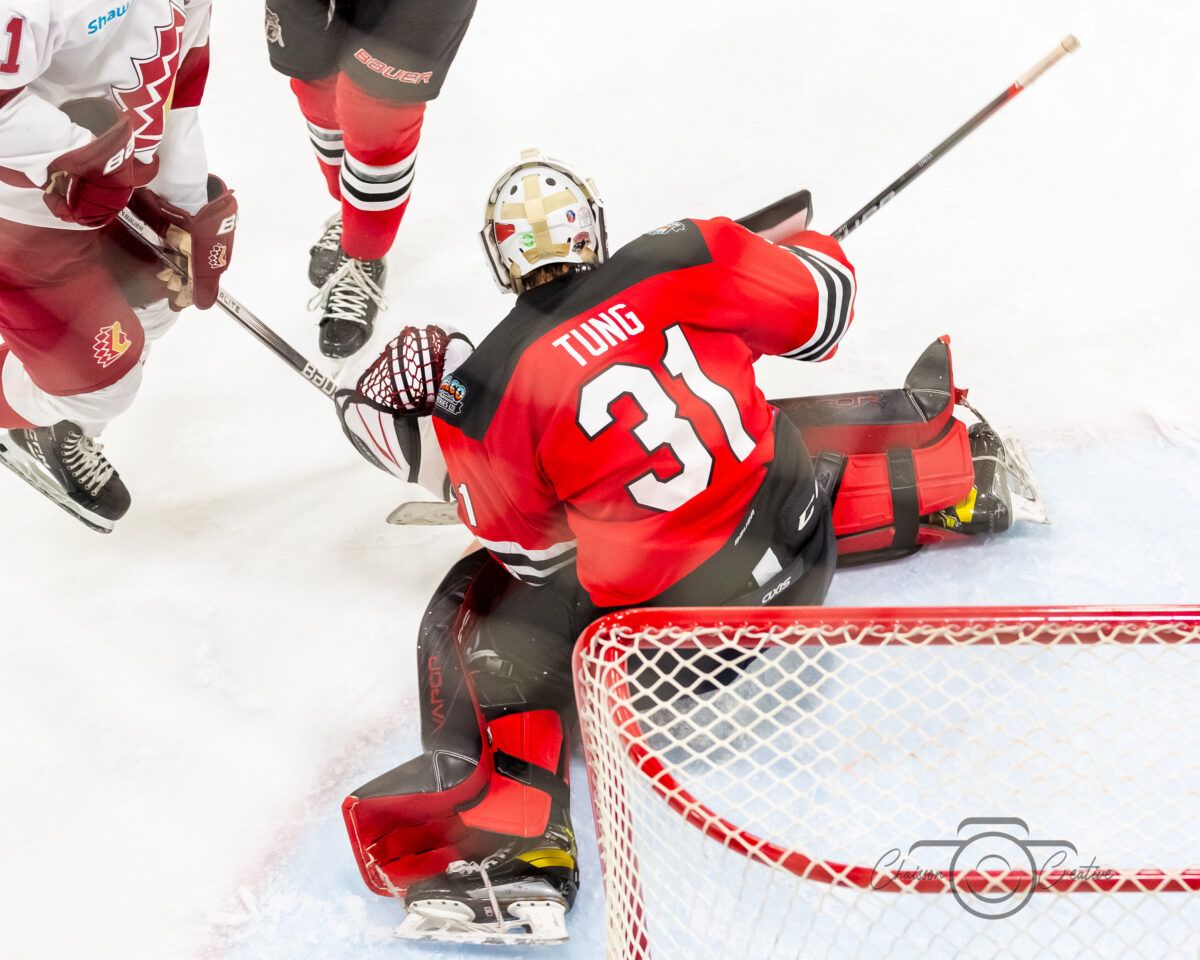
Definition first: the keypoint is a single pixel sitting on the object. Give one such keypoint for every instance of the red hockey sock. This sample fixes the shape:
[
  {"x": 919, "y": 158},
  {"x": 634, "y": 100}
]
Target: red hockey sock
[
  {"x": 318, "y": 103},
  {"x": 9, "y": 418},
  {"x": 380, "y": 156}
]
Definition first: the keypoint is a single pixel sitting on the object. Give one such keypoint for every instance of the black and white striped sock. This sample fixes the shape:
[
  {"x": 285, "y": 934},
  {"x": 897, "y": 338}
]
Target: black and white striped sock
[{"x": 374, "y": 188}]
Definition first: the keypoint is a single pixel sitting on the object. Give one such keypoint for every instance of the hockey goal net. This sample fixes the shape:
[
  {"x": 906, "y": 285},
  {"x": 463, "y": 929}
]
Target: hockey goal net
[{"x": 895, "y": 783}]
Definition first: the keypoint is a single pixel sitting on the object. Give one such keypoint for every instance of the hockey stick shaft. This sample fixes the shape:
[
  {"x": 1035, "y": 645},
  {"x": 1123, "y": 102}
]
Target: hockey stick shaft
[
  {"x": 239, "y": 312},
  {"x": 1067, "y": 45}
]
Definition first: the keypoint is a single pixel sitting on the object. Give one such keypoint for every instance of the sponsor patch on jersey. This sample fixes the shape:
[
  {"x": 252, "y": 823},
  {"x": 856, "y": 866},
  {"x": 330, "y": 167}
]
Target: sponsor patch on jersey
[
  {"x": 99, "y": 23},
  {"x": 274, "y": 28},
  {"x": 675, "y": 226},
  {"x": 110, "y": 344},
  {"x": 451, "y": 395}
]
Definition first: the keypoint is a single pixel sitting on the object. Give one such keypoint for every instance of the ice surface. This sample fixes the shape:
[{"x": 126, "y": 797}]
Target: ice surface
[{"x": 183, "y": 704}]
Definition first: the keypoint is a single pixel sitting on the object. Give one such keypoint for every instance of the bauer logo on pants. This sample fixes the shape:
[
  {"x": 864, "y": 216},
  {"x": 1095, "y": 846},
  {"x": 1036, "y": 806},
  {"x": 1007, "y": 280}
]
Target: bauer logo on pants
[{"x": 111, "y": 344}]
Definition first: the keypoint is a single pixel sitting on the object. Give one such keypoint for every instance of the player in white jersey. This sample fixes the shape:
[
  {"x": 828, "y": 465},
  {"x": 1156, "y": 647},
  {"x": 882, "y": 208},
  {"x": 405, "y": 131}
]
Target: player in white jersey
[{"x": 98, "y": 111}]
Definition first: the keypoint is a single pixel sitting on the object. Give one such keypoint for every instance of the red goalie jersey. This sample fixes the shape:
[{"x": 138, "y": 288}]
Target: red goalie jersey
[{"x": 612, "y": 419}]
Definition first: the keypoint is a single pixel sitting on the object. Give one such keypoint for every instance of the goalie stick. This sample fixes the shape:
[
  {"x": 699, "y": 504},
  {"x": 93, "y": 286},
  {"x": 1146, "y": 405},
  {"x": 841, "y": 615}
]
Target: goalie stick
[
  {"x": 776, "y": 215},
  {"x": 1066, "y": 45}
]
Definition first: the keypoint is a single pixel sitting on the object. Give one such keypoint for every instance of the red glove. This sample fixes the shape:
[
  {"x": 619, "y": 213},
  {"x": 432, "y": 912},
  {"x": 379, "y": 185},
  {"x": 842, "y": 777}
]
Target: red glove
[
  {"x": 92, "y": 184},
  {"x": 202, "y": 241}
]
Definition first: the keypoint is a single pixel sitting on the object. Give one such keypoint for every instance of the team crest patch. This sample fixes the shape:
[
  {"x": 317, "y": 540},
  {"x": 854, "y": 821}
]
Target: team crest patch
[
  {"x": 675, "y": 226},
  {"x": 274, "y": 28},
  {"x": 218, "y": 256},
  {"x": 110, "y": 344},
  {"x": 451, "y": 395}
]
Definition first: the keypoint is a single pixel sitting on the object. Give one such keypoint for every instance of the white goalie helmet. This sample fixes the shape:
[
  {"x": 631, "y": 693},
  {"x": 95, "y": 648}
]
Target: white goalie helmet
[{"x": 541, "y": 212}]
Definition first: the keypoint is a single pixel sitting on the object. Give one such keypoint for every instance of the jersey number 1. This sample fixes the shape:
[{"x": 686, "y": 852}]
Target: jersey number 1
[
  {"x": 663, "y": 425},
  {"x": 14, "y": 30}
]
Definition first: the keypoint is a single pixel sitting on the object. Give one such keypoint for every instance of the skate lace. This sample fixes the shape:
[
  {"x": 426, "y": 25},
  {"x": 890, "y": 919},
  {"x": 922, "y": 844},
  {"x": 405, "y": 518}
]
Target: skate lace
[
  {"x": 347, "y": 292},
  {"x": 331, "y": 236},
  {"x": 86, "y": 463},
  {"x": 465, "y": 867}
]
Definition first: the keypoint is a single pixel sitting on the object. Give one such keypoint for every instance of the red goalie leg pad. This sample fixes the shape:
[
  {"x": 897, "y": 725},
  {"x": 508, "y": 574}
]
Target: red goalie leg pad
[
  {"x": 378, "y": 169},
  {"x": 528, "y": 752},
  {"x": 401, "y": 833},
  {"x": 883, "y": 495},
  {"x": 890, "y": 456}
]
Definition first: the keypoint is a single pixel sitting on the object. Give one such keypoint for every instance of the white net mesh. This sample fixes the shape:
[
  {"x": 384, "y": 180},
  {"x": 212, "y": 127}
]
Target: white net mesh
[{"x": 845, "y": 784}]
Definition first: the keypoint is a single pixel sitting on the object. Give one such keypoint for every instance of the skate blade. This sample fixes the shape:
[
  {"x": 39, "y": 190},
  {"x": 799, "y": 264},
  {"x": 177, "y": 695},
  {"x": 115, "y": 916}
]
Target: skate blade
[
  {"x": 28, "y": 470},
  {"x": 424, "y": 513},
  {"x": 447, "y": 921},
  {"x": 1027, "y": 503}
]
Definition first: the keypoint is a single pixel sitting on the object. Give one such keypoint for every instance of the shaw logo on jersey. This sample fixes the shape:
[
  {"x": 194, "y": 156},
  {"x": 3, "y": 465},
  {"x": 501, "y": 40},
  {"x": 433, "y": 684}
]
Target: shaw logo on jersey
[
  {"x": 149, "y": 97},
  {"x": 110, "y": 344},
  {"x": 102, "y": 21}
]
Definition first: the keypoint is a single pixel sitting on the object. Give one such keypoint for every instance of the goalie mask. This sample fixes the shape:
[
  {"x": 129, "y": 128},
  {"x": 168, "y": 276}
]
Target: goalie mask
[{"x": 541, "y": 212}]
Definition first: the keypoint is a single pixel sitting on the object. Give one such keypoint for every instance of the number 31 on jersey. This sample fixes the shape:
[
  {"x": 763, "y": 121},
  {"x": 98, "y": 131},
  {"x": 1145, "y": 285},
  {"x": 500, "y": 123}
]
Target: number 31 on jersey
[{"x": 664, "y": 426}]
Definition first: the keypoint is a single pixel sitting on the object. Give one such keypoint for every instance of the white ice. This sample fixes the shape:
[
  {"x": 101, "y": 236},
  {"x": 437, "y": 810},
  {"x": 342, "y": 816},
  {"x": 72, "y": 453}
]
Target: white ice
[{"x": 184, "y": 704}]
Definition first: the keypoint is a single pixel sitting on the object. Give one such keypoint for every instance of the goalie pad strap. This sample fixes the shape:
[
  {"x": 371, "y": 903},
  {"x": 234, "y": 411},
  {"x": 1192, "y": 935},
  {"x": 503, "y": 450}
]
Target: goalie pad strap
[
  {"x": 902, "y": 475},
  {"x": 530, "y": 774}
]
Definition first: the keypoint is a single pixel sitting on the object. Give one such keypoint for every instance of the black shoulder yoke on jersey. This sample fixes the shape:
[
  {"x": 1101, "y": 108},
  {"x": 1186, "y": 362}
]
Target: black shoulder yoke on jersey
[{"x": 481, "y": 381}]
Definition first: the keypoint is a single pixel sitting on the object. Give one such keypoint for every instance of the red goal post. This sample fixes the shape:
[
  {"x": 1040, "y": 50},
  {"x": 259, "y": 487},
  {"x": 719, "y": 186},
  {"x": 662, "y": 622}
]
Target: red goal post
[{"x": 778, "y": 781}]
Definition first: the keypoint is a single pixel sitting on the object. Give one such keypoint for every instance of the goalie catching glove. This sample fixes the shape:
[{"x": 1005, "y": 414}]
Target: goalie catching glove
[
  {"x": 385, "y": 413},
  {"x": 201, "y": 243}
]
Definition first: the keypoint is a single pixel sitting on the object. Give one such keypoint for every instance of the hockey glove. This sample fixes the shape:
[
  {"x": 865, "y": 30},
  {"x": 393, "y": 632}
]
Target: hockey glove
[
  {"x": 202, "y": 242},
  {"x": 381, "y": 414},
  {"x": 91, "y": 184}
]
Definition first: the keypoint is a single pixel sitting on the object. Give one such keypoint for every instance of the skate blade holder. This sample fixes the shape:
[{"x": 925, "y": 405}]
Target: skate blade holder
[
  {"x": 34, "y": 475},
  {"x": 1027, "y": 502},
  {"x": 448, "y": 921}
]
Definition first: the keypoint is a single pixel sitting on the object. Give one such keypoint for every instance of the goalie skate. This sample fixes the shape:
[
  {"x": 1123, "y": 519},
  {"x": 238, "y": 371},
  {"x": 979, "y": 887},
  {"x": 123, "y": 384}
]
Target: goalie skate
[
  {"x": 518, "y": 895},
  {"x": 1003, "y": 492},
  {"x": 534, "y": 922},
  {"x": 1027, "y": 502}
]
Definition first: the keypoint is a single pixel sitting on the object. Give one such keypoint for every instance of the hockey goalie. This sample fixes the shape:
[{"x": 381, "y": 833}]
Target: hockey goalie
[{"x": 608, "y": 446}]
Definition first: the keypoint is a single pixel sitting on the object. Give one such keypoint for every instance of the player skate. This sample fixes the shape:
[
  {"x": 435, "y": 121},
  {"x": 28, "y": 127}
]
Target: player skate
[
  {"x": 349, "y": 302},
  {"x": 520, "y": 894},
  {"x": 323, "y": 256},
  {"x": 68, "y": 468}
]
